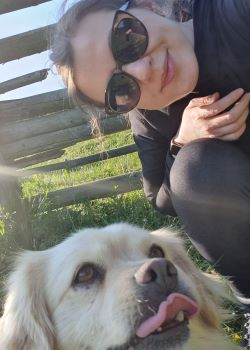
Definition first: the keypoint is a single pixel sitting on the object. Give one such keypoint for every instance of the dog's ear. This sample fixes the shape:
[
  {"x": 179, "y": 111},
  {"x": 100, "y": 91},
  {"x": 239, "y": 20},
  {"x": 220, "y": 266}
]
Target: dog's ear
[
  {"x": 213, "y": 291},
  {"x": 25, "y": 324}
]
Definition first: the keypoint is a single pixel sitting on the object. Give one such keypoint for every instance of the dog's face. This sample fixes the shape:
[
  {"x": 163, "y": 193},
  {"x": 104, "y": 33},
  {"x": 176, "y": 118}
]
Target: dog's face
[{"x": 115, "y": 288}]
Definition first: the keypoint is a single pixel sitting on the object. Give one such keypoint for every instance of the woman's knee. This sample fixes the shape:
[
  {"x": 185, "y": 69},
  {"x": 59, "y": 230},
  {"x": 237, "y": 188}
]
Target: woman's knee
[{"x": 203, "y": 167}]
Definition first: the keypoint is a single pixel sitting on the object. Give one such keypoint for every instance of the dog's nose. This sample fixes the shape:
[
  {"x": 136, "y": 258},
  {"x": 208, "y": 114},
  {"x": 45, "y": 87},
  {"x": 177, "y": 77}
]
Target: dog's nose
[{"x": 158, "y": 270}]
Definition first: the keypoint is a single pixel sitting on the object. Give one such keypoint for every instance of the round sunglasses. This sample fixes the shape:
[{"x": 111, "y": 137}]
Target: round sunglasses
[{"x": 129, "y": 41}]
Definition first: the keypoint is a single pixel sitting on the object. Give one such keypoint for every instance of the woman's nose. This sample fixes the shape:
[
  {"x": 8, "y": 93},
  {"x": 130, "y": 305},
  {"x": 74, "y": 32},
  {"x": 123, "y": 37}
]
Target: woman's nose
[{"x": 141, "y": 69}]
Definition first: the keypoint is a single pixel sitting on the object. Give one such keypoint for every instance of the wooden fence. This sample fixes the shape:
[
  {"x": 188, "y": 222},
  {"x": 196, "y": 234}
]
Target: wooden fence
[{"x": 39, "y": 128}]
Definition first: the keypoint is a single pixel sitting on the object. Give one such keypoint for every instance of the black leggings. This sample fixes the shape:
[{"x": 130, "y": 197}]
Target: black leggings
[{"x": 210, "y": 190}]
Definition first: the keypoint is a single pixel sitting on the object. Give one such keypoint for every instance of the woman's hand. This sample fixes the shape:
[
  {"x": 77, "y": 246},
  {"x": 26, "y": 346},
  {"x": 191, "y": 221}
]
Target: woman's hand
[{"x": 206, "y": 117}]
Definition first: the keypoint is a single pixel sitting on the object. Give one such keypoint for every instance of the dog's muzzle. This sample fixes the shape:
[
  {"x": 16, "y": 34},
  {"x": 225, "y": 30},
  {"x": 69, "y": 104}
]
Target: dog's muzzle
[
  {"x": 158, "y": 272},
  {"x": 164, "y": 310}
]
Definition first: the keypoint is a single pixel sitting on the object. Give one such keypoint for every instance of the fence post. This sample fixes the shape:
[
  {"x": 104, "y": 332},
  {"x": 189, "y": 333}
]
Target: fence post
[{"x": 11, "y": 202}]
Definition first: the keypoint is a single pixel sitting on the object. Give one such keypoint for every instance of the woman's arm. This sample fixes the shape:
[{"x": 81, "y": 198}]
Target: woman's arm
[{"x": 152, "y": 134}]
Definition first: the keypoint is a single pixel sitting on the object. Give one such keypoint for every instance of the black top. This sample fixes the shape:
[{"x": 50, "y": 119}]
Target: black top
[{"x": 222, "y": 47}]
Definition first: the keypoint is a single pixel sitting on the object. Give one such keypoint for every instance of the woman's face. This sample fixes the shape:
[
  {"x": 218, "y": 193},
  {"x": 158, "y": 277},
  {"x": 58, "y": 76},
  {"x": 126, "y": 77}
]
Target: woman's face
[{"x": 166, "y": 72}]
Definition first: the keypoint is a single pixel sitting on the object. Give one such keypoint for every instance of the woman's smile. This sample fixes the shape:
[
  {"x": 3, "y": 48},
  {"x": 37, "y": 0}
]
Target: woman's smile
[{"x": 168, "y": 71}]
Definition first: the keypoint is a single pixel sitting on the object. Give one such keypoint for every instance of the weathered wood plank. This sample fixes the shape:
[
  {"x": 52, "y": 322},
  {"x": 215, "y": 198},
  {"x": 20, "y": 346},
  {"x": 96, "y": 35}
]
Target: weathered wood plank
[
  {"x": 70, "y": 164},
  {"x": 14, "y": 5},
  {"x": 23, "y": 80},
  {"x": 36, "y": 159},
  {"x": 29, "y": 107},
  {"x": 12, "y": 132},
  {"x": 25, "y": 44},
  {"x": 61, "y": 138},
  {"x": 98, "y": 189}
]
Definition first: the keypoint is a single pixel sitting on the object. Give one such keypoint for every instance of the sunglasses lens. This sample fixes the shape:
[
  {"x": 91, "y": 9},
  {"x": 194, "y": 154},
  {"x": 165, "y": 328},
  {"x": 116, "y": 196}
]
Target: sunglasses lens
[
  {"x": 129, "y": 40},
  {"x": 122, "y": 94}
]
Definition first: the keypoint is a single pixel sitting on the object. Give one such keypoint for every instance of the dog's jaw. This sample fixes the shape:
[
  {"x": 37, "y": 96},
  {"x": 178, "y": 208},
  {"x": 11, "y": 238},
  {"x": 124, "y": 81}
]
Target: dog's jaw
[
  {"x": 178, "y": 337},
  {"x": 165, "y": 330}
]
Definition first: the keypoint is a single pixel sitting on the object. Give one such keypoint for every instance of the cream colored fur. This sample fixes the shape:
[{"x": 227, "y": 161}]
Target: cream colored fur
[{"x": 44, "y": 311}]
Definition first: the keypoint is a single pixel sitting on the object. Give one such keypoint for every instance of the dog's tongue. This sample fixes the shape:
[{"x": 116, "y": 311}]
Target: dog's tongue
[{"x": 167, "y": 312}]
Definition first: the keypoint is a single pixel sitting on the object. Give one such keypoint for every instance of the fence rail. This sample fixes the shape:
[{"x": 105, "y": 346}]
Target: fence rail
[
  {"x": 95, "y": 190},
  {"x": 13, "y": 5},
  {"x": 23, "y": 80},
  {"x": 29, "y": 107},
  {"x": 12, "y": 132},
  {"x": 60, "y": 138},
  {"x": 25, "y": 44},
  {"x": 70, "y": 164}
]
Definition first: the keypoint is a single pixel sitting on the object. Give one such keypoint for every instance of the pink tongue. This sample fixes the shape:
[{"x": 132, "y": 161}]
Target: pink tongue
[{"x": 168, "y": 310}]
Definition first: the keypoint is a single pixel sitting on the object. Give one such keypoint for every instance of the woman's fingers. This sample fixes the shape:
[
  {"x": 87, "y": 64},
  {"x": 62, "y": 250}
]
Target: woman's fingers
[
  {"x": 211, "y": 117},
  {"x": 222, "y": 104},
  {"x": 212, "y": 105},
  {"x": 232, "y": 128},
  {"x": 231, "y": 125},
  {"x": 234, "y": 135},
  {"x": 233, "y": 115},
  {"x": 204, "y": 101}
]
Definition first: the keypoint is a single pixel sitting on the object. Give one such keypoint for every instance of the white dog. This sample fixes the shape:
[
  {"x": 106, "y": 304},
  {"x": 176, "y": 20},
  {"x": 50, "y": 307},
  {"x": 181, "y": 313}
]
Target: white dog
[{"x": 113, "y": 288}]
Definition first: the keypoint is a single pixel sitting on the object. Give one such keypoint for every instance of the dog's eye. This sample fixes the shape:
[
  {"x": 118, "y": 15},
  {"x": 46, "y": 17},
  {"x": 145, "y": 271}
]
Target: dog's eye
[
  {"x": 87, "y": 274},
  {"x": 156, "y": 252}
]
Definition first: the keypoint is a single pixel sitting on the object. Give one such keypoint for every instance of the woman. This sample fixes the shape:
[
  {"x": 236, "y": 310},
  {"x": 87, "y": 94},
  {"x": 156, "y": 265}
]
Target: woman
[{"x": 126, "y": 57}]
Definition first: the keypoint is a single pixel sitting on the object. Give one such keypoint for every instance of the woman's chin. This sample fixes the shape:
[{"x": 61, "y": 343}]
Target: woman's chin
[
  {"x": 185, "y": 88},
  {"x": 173, "y": 94}
]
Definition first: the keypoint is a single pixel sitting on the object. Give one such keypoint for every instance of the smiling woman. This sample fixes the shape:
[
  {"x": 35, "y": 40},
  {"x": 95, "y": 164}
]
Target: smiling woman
[
  {"x": 194, "y": 153},
  {"x": 158, "y": 64}
]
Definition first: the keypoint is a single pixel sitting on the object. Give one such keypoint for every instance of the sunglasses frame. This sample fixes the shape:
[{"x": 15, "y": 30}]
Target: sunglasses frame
[{"x": 118, "y": 71}]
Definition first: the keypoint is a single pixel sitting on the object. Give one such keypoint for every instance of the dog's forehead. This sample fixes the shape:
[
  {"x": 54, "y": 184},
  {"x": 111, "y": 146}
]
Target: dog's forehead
[
  {"x": 94, "y": 245},
  {"x": 111, "y": 240},
  {"x": 117, "y": 238}
]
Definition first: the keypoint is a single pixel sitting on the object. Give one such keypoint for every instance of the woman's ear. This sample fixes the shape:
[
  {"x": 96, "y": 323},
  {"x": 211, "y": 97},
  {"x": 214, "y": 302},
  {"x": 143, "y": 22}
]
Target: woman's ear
[{"x": 26, "y": 324}]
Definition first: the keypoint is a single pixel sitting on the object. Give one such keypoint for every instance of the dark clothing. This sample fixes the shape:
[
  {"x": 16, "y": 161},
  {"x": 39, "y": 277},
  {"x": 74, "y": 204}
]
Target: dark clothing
[
  {"x": 210, "y": 189},
  {"x": 208, "y": 186},
  {"x": 222, "y": 46}
]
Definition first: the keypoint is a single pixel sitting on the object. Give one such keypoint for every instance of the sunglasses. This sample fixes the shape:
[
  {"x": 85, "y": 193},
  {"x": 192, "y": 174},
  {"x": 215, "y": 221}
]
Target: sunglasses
[{"x": 129, "y": 42}]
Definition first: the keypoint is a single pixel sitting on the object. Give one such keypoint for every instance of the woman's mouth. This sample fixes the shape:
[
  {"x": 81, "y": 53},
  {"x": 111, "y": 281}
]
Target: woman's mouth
[{"x": 168, "y": 71}]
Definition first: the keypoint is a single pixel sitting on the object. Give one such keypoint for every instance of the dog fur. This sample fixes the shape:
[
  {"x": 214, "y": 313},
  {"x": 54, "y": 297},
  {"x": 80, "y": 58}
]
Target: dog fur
[{"x": 49, "y": 306}]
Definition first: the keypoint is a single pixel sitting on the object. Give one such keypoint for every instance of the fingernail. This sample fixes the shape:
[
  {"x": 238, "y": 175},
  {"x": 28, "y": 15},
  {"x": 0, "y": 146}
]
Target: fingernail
[{"x": 241, "y": 90}]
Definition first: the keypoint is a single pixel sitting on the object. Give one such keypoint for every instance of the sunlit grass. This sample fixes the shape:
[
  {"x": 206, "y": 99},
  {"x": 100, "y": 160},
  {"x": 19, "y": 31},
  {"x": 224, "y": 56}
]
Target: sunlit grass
[{"x": 42, "y": 183}]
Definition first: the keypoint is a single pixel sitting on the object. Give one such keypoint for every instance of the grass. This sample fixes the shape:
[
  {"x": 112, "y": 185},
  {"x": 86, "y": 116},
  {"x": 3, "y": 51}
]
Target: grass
[{"x": 51, "y": 227}]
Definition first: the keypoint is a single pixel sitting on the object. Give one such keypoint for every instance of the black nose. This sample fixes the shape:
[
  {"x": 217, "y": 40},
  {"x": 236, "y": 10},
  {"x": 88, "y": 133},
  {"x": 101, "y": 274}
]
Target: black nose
[{"x": 159, "y": 271}]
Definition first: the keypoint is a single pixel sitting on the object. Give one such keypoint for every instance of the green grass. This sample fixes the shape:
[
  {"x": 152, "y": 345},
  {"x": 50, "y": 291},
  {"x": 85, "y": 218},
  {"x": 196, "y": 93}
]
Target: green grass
[{"x": 53, "y": 226}]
